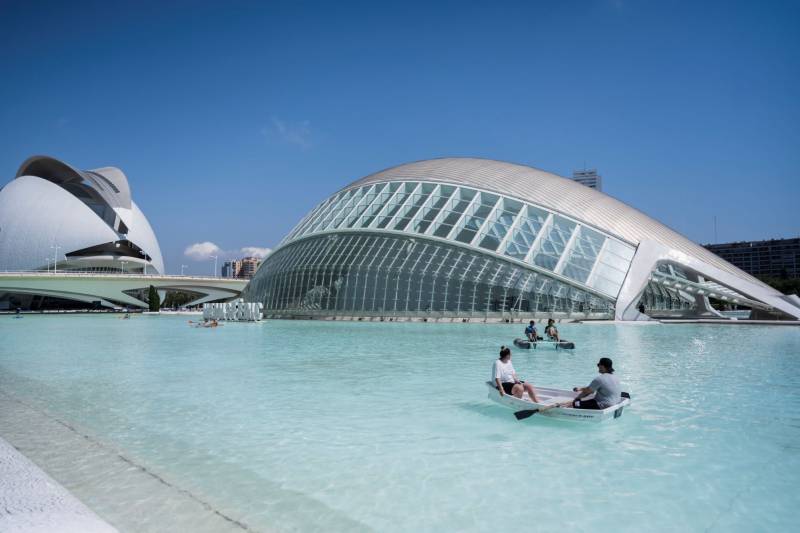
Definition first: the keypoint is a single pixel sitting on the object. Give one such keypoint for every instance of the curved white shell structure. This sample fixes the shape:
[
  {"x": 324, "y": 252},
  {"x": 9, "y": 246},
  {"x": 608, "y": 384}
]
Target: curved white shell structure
[
  {"x": 53, "y": 214},
  {"x": 465, "y": 237}
]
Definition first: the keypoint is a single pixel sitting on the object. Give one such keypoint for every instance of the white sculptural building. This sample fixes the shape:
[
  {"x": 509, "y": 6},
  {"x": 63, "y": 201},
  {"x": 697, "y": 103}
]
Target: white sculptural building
[
  {"x": 463, "y": 238},
  {"x": 76, "y": 237},
  {"x": 53, "y": 216}
]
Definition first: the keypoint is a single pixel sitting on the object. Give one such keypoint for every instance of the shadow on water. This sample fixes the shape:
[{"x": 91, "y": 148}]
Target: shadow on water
[
  {"x": 487, "y": 409},
  {"x": 497, "y": 412}
]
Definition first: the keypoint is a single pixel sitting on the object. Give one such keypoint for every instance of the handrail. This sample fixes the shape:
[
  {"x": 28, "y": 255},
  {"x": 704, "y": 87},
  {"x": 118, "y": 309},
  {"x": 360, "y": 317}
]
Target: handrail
[{"x": 84, "y": 274}]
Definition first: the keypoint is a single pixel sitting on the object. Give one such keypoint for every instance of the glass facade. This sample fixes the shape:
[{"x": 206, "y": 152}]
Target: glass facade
[
  {"x": 657, "y": 297},
  {"x": 417, "y": 248},
  {"x": 373, "y": 274},
  {"x": 489, "y": 222}
]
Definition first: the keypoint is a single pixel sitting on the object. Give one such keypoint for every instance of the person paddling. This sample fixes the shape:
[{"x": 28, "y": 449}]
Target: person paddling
[
  {"x": 552, "y": 331},
  {"x": 605, "y": 387},
  {"x": 531, "y": 333}
]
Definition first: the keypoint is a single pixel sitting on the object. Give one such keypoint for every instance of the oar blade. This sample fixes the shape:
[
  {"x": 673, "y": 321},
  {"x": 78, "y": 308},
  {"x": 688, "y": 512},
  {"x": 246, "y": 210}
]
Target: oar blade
[{"x": 525, "y": 413}]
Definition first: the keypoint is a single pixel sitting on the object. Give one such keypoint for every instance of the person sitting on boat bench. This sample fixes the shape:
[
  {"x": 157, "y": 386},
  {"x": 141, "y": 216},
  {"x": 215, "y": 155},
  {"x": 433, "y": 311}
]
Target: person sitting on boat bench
[
  {"x": 530, "y": 332},
  {"x": 605, "y": 387},
  {"x": 506, "y": 380},
  {"x": 551, "y": 330}
]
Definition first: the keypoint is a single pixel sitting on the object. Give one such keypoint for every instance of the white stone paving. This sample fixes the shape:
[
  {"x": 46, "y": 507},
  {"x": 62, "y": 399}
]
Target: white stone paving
[
  {"x": 126, "y": 494},
  {"x": 31, "y": 501}
]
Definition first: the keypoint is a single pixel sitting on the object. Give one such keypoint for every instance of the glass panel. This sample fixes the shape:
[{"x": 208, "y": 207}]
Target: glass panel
[
  {"x": 410, "y": 209},
  {"x": 429, "y": 213},
  {"x": 347, "y": 208},
  {"x": 365, "y": 202},
  {"x": 332, "y": 208},
  {"x": 553, "y": 242},
  {"x": 612, "y": 266},
  {"x": 500, "y": 224},
  {"x": 519, "y": 244},
  {"x": 453, "y": 211},
  {"x": 396, "y": 204},
  {"x": 306, "y": 222},
  {"x": 615, "y": 260},
  {"x": 379, "y": 203},
  {"x": 621, "y": 249},
  {"x": 585, "y": 249},
  {"x": 476, "y": 217}
]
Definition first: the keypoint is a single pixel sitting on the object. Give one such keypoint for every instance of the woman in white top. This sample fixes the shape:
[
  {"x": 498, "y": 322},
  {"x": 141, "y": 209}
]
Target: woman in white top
[{"x": 505, "y": 378}]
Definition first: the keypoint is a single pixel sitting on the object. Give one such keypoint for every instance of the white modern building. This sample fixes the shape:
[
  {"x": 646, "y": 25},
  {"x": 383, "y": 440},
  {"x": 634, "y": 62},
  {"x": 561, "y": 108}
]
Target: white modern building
[
  {"x": 78, "y": 236},
  {"x": 464, "y": 238},
  {"x": 56, "y": 217}
]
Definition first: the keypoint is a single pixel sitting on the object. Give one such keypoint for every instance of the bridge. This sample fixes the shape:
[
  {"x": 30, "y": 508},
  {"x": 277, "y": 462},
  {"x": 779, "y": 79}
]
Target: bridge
[{"x": 115, "y": 289}]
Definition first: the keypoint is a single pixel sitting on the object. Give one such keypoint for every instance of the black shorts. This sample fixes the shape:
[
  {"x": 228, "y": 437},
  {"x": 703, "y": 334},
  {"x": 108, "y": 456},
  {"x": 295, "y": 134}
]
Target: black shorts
[
  {"x": 586, "y": 404},
  {"x": 507, "y": 387}
]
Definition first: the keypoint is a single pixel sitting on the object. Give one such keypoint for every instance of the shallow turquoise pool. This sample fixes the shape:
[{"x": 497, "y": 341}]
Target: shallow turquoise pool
[{"x": 349, "y": 426}]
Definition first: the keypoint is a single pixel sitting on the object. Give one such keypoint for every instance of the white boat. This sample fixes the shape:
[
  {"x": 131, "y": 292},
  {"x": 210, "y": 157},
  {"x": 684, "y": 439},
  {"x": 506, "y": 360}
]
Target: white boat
[{"x": 523, "y": 407}]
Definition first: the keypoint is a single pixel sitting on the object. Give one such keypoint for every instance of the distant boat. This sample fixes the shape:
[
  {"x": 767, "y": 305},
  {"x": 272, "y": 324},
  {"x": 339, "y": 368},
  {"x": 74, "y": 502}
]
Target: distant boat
[{"x": 527, "y": 345}]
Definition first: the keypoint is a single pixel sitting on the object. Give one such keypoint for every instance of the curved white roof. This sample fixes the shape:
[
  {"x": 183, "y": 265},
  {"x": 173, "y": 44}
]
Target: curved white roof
[
  {"x": 36, "y": 214},
  {"x": 50, "y": 202},
  {"x": 556, "y": 193},
  {"x": 109, "y": 182}
]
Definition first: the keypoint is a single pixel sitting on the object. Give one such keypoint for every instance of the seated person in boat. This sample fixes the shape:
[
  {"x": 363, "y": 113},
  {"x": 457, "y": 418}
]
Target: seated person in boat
[
  {"x": 605, "y": 387},
  {"x": 552, "y": 331},
  {"x": 530, "y": 332},
  {"x": 506, "y": 380}
]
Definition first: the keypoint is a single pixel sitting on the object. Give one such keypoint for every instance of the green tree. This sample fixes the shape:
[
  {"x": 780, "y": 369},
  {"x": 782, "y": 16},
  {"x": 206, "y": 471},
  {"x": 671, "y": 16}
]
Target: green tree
[
  {"x": 178, "y": 298},
  {"x": 153, "y": 299}
]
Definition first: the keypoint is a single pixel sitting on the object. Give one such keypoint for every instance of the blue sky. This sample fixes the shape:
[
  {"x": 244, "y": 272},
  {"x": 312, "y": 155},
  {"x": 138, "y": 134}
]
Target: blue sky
[{"x": 233, "y": 119}]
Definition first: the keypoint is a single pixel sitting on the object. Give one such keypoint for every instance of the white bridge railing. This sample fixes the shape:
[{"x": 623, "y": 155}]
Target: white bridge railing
[{"x": 92, "y": 274}]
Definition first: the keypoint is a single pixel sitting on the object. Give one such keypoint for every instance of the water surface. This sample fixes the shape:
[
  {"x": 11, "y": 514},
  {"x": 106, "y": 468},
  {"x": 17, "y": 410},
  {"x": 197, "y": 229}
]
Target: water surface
[{"x": 304, "y": 425}]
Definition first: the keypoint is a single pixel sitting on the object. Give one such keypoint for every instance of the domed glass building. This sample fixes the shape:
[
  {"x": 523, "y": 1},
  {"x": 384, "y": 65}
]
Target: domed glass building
[
  {"x": 465, "y": 238},
  {"x": 53, "y": 216}
]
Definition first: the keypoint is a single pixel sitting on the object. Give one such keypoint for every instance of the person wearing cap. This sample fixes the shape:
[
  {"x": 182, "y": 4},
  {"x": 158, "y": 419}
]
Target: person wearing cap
[
  {"x": 531, "y": 333},
  {"x": 605, "y": 387}
]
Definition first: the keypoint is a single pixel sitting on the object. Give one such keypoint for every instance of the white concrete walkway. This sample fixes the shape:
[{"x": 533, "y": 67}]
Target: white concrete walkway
[{"x": 31, "y": 501}]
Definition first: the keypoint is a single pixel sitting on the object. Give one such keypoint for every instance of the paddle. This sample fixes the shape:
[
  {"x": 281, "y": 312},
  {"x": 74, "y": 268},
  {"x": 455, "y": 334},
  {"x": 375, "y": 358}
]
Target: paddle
[
  {"x": 525, "y": 413},
  {"x": 521, "y": 415}
]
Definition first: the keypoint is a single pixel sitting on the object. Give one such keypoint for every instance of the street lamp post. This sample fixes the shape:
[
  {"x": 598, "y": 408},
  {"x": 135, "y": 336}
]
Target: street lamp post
[
  {"x": 55, "y": 258},
  {"x": 48, "y": 264},
  {"x": 215, "y": 265},
  {"x": 182, "y": 267}
]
